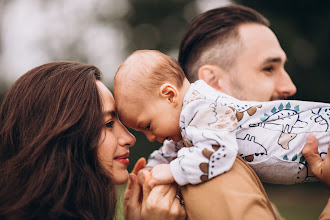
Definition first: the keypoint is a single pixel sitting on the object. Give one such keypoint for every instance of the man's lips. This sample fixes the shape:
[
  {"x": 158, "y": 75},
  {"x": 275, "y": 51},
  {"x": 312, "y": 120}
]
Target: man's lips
[{"x": 123, "y": 159}]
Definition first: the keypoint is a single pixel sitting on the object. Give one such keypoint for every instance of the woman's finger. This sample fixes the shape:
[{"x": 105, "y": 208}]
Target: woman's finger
[
  {"x": 139, "y": 165},
  {"x": 132, "y": 206},
  {"x": 145, "y": 188},
  {"x": 132, "y": 191},
  {"x": 178, "y": 210}
]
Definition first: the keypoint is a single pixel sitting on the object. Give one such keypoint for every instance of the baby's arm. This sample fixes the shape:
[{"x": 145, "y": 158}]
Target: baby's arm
[
  {"x": 161, "y": 174},
  {"x": 320, "y": 168},
  {"x": 164, "y": 154},
  {"x": 205, "y": 159}
]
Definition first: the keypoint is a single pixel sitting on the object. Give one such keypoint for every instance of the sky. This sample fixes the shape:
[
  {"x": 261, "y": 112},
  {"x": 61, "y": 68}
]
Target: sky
[{"x": 32, "y": 31}]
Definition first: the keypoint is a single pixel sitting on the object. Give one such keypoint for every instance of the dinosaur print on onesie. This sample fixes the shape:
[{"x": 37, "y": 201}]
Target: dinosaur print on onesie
[
  {"x": 250, "y": 148},
  {"x": 321, "y": 116},
  {"x": 283, "y": 119},
  {"x": 216, "y": 128},
  {"x": 217, "y": 118}
]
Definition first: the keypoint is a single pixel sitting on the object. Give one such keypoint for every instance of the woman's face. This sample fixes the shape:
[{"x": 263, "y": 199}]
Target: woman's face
[{"x": 115, "y": 139}]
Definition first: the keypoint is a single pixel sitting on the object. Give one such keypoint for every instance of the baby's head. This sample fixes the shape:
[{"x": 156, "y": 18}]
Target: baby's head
[{"x": 149, "y": 88}]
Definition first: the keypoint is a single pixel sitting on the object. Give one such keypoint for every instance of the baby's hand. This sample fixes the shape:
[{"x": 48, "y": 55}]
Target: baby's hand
[
  {"x": 320, "y": 168},
  {"x": 141, "y": 176},
  {"x": 161, "y": 174}
]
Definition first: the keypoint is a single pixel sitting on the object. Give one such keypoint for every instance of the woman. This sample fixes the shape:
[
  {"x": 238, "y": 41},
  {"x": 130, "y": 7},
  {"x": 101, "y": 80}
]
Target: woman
[{"x": 63, "y": 149}]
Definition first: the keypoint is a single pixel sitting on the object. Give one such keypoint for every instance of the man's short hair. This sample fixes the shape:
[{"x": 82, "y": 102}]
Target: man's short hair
[{"x": 212, "y": 38}]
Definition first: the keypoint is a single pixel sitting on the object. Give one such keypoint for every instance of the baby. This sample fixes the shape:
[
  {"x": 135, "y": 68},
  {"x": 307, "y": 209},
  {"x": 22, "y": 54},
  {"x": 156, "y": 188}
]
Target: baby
[{"x": 203, "y": 130}]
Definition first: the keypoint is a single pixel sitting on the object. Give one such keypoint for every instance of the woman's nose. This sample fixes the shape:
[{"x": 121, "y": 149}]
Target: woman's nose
[{"x": 125, "y": 137}]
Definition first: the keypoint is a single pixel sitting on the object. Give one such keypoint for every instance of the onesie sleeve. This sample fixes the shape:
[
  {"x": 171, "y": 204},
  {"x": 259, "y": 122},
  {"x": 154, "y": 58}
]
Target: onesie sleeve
[
  {"x": 165, "y": 154},
  {"x": 211, "y": 131}
]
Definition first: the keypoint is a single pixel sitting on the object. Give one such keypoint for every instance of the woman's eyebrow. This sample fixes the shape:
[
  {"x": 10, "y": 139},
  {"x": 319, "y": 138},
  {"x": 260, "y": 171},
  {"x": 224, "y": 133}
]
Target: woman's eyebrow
[{"x": 112, "y": 113}]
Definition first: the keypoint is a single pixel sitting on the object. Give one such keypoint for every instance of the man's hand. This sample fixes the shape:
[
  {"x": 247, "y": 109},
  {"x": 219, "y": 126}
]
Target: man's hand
[{"x": 319, "y": 168}]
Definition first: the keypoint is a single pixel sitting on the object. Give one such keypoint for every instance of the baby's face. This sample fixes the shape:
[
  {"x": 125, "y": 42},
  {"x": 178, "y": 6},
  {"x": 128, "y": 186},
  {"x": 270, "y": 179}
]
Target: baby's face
[{"x": 157, "y": 118}]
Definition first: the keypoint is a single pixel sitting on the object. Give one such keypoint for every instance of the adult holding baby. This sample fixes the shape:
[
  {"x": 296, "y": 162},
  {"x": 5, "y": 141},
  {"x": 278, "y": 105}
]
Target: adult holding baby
[
  {"x": 63, "y": 150},
  {"x": 232, "y": 49}
]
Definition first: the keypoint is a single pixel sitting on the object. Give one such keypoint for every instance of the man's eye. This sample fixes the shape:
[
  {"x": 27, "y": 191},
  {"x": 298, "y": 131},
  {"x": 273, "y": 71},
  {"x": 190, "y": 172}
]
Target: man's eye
[
  {"x": 269, "y": 69},
  {"x": 147, "y": 127},
  {"x": 109, "y": 124}
]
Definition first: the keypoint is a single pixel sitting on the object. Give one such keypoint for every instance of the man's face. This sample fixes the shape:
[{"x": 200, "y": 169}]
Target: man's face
[{"x": 258, "y": 72}]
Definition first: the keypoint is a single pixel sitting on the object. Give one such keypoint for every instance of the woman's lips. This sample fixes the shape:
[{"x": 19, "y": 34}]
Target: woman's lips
[{"x": 123, "y": 159}]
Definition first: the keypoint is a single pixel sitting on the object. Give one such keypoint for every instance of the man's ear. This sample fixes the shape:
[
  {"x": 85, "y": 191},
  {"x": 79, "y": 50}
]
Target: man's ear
[
  {"x": 214, "y": 76},
  {"x": 169, "y": 92}
]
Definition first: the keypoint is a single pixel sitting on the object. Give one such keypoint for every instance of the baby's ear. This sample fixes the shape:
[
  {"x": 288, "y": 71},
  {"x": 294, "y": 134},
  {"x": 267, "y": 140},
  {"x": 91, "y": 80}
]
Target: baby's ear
[{"x": 169, "y": 92}]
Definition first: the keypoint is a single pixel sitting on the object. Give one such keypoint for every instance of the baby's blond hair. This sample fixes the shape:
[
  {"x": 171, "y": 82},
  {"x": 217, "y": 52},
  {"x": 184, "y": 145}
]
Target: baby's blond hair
[{"x": 150, "y": 69}]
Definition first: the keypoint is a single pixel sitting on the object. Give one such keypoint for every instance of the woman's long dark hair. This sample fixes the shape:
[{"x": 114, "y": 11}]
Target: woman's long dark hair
[{"x": 50, "y": 124}]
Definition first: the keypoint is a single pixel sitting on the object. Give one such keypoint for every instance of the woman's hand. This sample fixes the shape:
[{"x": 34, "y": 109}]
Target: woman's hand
[
  {"x": 133, "y": 194},
  {"x": 158, "y": 203},
  {"x": 161, "y": 202},
  {"x": 132, "y": 205},
  {"x": 319, "y": 168},
  {"x": 161, "y": 174}
]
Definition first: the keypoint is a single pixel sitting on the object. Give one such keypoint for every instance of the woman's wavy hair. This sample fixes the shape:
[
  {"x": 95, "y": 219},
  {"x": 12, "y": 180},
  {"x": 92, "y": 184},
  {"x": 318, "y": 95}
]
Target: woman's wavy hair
[{"x": 50, "y": 125}]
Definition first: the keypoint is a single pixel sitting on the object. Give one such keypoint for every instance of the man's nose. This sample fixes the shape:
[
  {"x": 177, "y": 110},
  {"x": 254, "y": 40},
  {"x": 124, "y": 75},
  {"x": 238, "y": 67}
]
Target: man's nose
[{"x": 285, "y": 86}]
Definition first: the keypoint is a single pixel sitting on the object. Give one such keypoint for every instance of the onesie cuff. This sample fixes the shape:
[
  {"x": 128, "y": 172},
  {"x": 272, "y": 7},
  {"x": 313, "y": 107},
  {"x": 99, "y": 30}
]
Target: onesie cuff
[{"x": 178, "y": 173}]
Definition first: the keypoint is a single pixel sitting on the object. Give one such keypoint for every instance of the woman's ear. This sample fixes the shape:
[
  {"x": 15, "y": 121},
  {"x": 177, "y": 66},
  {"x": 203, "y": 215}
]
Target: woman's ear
[
  {"x": 214, "y": 76},
  {"x": 169, "y": 92}
]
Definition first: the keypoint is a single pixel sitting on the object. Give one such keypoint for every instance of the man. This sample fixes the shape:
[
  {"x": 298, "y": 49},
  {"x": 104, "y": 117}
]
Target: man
[{"x": 234, "y": 51}]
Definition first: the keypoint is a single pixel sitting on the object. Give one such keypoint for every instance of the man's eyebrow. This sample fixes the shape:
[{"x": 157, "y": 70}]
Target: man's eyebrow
[{"x": 274, "y": 60}]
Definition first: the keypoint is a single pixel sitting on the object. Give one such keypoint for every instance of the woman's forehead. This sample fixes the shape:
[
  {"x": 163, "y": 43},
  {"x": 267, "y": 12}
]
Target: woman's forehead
[{"x": 108, "y": 102}]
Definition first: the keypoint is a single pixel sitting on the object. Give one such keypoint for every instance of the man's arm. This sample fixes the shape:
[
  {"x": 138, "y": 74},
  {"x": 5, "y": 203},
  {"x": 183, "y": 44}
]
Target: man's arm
[
  {"x": 326, "y": 212},
  {"x": 320, "y": 168},
  {"x": 237, "y": 194}
]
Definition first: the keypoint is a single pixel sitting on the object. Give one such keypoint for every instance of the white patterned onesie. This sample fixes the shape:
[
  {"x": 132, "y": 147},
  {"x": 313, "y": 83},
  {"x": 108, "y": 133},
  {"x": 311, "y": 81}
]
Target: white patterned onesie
[{"x": 270, "y": 136}]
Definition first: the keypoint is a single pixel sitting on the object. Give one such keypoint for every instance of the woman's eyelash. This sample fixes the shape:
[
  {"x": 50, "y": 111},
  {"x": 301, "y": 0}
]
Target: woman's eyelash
[{"x": 109, "y": 124}]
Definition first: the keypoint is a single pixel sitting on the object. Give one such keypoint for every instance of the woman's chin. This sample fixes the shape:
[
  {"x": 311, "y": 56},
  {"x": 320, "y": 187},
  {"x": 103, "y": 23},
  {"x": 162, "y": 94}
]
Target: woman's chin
[{"x": 121, "y": 178}]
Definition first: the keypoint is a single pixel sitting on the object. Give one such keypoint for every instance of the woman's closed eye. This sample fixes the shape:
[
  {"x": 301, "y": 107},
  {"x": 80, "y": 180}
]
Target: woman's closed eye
[{"x": 109, "y": 124}]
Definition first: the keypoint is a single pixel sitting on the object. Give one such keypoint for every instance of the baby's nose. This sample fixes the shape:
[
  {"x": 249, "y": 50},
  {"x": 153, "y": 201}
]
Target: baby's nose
[{"x": 151, "y": 137}]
